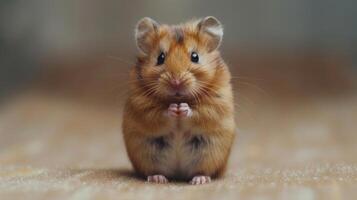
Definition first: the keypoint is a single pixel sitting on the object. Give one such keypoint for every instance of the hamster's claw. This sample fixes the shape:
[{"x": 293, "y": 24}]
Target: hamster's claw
[
  {"x": 161, "y": 179},
  {"x": 173, "y": 110},
  {"x": 199, "y": 180},
  {"x": 185, "y": 110}
]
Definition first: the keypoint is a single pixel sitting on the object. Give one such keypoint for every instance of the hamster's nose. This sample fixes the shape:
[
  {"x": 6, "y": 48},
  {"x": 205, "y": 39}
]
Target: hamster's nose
[{"x": 176, "y": 83}]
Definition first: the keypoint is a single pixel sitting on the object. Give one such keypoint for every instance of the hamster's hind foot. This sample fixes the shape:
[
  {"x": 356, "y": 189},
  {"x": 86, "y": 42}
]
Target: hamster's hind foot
[
  {"x": 161, "y": 179},
  {"x": 199, "y": 180}
]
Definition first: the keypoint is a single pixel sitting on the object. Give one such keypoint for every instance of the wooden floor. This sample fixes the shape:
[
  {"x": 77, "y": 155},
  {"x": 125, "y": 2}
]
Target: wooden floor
[{"x": 59, "y": 148}]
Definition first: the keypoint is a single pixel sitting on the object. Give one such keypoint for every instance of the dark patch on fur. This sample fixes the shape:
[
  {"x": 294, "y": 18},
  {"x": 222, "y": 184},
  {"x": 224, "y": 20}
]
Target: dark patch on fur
[
  {"x": 159, "y": 143},
  {"x": 217, "y": 95},
  {"x": 179, "y": 35},
  {"x": 198, "y": 142}
]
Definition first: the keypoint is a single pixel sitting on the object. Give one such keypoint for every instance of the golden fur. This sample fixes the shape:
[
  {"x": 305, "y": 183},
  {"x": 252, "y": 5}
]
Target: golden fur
[{"x": 207, "y": 91}]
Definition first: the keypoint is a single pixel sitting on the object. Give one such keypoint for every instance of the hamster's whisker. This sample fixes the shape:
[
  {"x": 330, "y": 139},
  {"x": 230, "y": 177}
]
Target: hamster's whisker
[
  {"x": 195, "y": 96},
  {"x": 261, "y": 90},
  {"x": 147, "y": 84},
  {"x": 144, "y": 90},
  {"x": 184, "y": 81},
  {"x": 150, "y": 91},
  {"x": 193, "y": 93},
  {"x": 150, "y": 84},
  {"x": 210, "y": 100},
  {"x": 206, "y": 85},
  {"x": 209, "y": 97},
  {"x": 212, "y": 60},
  {"x": 198, "y": 96}
]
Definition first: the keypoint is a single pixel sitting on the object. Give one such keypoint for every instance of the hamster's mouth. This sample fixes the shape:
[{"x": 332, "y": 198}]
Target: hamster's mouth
[
  {"x": 178, "y": 97},
  {"x": 177, "y": 93},
  {"x": 183, "y": 95}
]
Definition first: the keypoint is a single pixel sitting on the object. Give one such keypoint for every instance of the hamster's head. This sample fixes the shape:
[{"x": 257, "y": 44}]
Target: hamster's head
[{"x": 179, "y": 61}]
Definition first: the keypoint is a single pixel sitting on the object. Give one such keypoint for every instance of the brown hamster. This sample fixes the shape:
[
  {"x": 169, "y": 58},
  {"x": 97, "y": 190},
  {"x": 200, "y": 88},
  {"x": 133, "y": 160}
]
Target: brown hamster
[{"x": 179, "y": 116}]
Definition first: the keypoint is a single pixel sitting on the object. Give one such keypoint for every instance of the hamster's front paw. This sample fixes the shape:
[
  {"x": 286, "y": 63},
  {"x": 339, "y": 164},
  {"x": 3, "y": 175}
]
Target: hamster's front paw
[
  {"x": 185, "y": 110},
  {"x": 173, "y": 110},
  {"x": 157, "y": 179},
  {"x": 181, "y": 110},
  {"x": 199, "y": 180}
]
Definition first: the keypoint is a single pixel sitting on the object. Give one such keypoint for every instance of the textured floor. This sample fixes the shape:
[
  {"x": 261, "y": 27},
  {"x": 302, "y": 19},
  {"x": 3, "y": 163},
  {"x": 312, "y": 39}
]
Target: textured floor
[{"x": 53, "y": 148}]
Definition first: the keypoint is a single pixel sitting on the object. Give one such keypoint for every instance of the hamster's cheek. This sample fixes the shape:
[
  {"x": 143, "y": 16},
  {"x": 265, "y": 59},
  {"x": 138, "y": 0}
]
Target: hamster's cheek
[
  {"x": 205, "y": 64},
  {"x": 150, "y": 72},
  {"x": 203, "y": 59}
]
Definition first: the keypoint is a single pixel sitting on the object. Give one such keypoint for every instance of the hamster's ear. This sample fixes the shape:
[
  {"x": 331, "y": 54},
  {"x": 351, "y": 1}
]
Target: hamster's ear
[
  {"x": 145, "y": 33},
  {"x": 212, "y": 30}
]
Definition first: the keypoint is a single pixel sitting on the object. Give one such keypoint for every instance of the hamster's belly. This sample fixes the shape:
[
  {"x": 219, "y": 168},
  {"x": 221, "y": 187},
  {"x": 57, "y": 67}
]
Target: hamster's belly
[{"x": 179, "y": 154}]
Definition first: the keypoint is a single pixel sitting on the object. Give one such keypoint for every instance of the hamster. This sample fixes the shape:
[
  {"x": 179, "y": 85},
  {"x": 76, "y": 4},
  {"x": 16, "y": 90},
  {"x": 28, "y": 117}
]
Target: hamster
[{"x": 178, "y": 121}]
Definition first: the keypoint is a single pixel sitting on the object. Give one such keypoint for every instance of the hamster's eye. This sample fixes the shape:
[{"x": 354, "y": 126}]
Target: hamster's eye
[
  {"x": 161, "y": 59},
  {"x": 194, "y": 57}
]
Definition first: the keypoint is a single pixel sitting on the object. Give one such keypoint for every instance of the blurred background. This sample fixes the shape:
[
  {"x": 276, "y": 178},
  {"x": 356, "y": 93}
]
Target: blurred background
[
  {"x": 64, "y": 65},
  {"x": 308, "y": 46}
]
